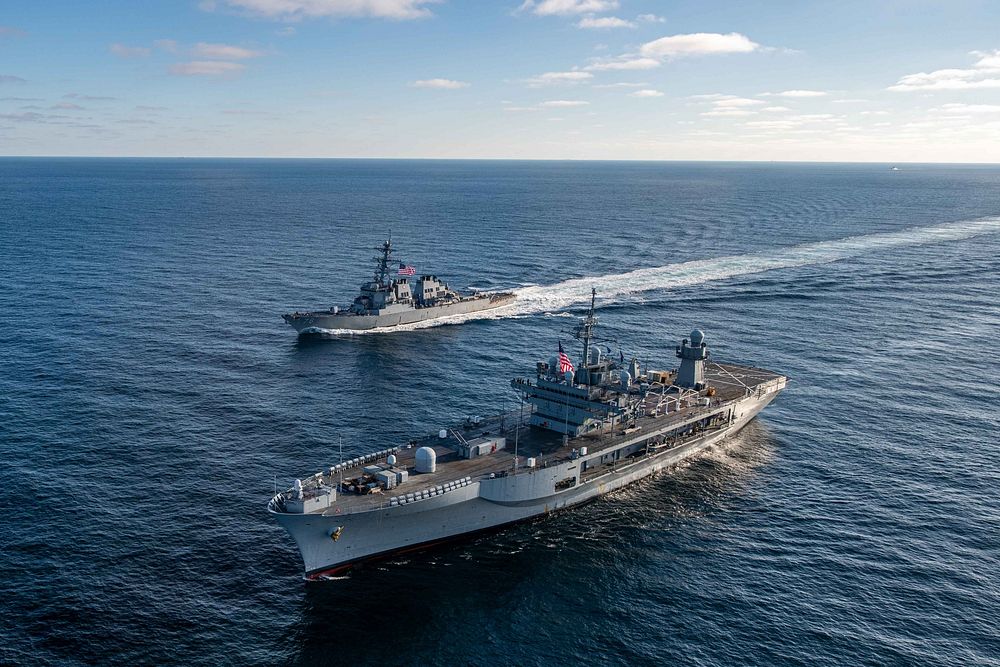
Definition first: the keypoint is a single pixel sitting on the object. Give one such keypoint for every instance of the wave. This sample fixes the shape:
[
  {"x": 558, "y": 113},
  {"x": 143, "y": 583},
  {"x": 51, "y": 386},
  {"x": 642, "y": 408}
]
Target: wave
[{"x": 550, "y": 299}]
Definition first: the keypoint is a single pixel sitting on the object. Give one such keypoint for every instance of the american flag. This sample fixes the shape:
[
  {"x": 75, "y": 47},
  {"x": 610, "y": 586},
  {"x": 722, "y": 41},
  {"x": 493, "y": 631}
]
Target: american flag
[
  {"x": 564, "y": 363},
  {"x": 406, "y": 270}
]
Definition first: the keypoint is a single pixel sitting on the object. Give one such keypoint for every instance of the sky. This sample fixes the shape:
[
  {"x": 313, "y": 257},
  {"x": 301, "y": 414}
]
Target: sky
[{"x": 878, "y": 80}]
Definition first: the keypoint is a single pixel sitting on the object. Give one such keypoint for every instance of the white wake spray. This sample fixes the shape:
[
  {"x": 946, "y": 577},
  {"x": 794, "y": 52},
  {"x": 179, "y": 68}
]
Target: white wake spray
[{"x": 538, "y": 299}]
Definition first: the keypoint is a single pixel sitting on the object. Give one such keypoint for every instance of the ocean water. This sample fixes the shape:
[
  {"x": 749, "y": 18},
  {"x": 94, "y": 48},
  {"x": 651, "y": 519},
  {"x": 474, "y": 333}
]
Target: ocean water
[{"x": 151, "y": 397}]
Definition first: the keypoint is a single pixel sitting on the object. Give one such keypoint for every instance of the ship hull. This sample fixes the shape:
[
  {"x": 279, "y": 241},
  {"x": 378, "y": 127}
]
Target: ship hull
[
  {"x": 378, "y": 533},
  {"x": 317, "y": 322}
]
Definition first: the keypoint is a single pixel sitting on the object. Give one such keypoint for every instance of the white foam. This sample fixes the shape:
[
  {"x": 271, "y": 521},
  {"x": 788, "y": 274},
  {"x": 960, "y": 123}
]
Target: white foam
[{"x": 549, "y": 299}]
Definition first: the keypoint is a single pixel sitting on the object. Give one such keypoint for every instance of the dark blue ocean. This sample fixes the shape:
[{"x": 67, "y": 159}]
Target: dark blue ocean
[{"x": 150, "y": 396}]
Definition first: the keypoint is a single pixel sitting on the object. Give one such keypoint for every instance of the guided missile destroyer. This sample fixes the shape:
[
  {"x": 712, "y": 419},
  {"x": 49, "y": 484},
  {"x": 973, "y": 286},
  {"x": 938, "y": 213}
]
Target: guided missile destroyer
[
  {"x": 581, "y": 432},
  {"x": 390, "y": 301}
]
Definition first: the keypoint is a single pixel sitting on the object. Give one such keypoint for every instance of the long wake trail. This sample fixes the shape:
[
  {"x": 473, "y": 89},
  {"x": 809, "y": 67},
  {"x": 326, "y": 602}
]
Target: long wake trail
[{"x": 538, "y": 299}]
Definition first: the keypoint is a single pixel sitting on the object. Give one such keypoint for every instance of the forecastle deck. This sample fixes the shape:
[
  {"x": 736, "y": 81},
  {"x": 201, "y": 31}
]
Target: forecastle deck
[{"x": 660, "y": 425}]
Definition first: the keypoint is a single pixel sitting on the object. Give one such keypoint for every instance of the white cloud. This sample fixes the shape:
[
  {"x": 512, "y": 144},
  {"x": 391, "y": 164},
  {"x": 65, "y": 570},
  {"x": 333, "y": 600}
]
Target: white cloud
[
  {"x": 958, "y": 107},
  {"x": 296, "y": 9},
  {"x": 625, "y": 63},
  {"x": 796, "y": 93},
  {"x": 651, "y": 18},
  {"x": 699, "y": 43},
  {"x": 727, "y": 105},
  {"x": 593, "y": 22},
  {"x": 646, "y": 92},
  {"x": 567, "y": 7},
  {"x": 123, "y": 51},
  {"x": 559, "y": 78},
  {"x": 564, "y": 103},
  {"x": 622, "y": 84},
  {"x": 206, "y": 68},
  {"x": 442, "y": 84},
  {"x": 723, "y": 112},
  {"x": 10, "y": 78},
  {"x": 736, "y": 102},
  {"x": 223, "y": 51},
  {"x": 776, "y": 109},
  {"x": 984, "y": 73}
]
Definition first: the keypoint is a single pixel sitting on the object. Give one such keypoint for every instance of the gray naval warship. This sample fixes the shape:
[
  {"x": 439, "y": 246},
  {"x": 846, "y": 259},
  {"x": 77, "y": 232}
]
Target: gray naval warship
[
  {"x": 580, "y": 432},
  {"x": 389, "y": 301}
]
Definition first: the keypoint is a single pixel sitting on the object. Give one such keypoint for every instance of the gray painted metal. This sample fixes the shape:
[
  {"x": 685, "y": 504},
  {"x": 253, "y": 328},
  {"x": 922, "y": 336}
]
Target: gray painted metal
[
  {"x": 388, "y": 301},
  {"x": 616, "y": 432}
]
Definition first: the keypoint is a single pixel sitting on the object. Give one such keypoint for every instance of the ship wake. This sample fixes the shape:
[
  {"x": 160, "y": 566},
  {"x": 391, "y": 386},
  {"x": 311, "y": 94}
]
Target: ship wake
[{"x": 534, "y": 300}]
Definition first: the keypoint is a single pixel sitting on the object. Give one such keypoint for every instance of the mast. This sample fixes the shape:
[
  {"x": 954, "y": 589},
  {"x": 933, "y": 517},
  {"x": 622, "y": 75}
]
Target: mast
[
  {"x": 382, "y": 262},
  {"x": 586, "y": 329}
]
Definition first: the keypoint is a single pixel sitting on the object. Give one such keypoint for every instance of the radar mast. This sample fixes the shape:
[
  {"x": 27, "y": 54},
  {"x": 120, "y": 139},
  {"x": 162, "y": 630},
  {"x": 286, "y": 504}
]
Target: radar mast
[
  {"x": 585, "y": 329},
  {"x": 382, "y": 263}
]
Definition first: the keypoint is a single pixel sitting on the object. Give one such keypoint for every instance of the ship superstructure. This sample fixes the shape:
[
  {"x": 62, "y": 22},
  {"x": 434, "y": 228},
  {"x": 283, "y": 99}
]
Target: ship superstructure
[
  {"x": 390, "y": 299},
  {"x": 581, "y": 431}
]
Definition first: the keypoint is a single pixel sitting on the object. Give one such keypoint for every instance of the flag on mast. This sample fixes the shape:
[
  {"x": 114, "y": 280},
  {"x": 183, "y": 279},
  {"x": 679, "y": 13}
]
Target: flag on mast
[
  {"x": 406, "y": 270},
  {"x": 564, "y": 363}
]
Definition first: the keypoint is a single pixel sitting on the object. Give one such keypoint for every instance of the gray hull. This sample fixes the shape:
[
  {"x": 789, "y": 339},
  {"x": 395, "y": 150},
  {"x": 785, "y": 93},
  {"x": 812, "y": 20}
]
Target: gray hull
[
  {"x": 317, "y": 321},
  {"x": 479, "y": 505}
]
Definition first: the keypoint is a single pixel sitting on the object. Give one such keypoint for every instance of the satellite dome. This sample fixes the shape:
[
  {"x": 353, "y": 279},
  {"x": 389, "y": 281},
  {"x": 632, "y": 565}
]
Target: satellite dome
[
  {"x": 391, "y": 459},
  {"x": 426, "y": 460},
  {"x": 697, "y": 338}
]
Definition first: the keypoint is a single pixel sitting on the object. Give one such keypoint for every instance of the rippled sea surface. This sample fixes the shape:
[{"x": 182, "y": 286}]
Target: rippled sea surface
[{"x": 151, "y": 397}]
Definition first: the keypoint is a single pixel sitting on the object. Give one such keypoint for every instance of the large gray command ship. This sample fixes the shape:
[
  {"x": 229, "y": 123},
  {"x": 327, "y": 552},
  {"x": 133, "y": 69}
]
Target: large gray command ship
[
  {"x": 388, "y": 301},
  {"x": 586, "y": 431}
]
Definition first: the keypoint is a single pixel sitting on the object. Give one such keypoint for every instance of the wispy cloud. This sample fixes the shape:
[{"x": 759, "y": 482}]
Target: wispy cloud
[
  {"x": 10, "y": 78},
  {"x": 7, "y": 31},
  {"x": 603, "y": 22},
  {"x": 223, "y": 51},
  {"x": 796, "y": 93},
  {"x": 727, "y": 105},
  {"x": 697, "y": 44},
  {"x": 984, "y": 73},
  {"x": 563, "y": 103},
  {"x": 959, "y": 108},
  {"x": 66, "y": 106},
  {"x": 653, "y": 54},
  {"x": 442, "y": 84},
  {"x": 623, "y": 63},
  {"x": 207, "y": 68},
  {"x": 620, "y": 84},
  {"x": 646, "y": 92},
  {"x": 123, "y": 51},
  {"x": 650, "y": 18},
  {"x": 567, "y": 7},
  {"x": 299, "y": 9},
  {"x": 89, "y": 98},
  {"x": 558, "y": 78}
]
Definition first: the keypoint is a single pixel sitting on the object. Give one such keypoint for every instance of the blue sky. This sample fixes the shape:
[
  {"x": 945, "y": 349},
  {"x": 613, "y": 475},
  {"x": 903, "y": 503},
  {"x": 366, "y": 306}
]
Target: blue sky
[{"x": 889, "y": 81}]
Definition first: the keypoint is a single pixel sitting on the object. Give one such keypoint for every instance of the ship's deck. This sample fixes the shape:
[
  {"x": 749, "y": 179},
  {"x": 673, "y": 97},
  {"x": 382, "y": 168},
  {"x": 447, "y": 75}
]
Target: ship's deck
[{"x": 731, "y": 383}]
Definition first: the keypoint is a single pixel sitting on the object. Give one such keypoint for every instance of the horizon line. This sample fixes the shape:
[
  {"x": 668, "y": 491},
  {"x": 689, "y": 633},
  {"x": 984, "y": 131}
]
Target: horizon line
[{"x": 479, "y": 159}]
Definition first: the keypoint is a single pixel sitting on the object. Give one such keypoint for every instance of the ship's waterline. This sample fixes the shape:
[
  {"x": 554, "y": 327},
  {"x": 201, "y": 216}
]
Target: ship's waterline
[
  {"x": 386, "y": 301},
  {"x": 616, "y": 423},
  {"x": 371, "y": 534}
]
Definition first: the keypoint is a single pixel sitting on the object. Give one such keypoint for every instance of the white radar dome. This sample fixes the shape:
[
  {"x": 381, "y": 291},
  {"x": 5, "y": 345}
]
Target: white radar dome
[
  {"x": 426, "y": 460},
  {"x": 391, "y": 460},
  {"x": 697, "y": 338}
]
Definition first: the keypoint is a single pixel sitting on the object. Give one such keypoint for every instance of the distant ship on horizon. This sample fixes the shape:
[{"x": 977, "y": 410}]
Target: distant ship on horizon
[{"x": 391, "y": 301}]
